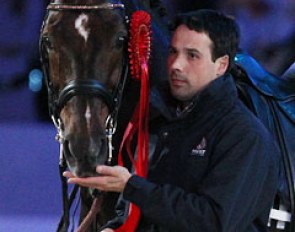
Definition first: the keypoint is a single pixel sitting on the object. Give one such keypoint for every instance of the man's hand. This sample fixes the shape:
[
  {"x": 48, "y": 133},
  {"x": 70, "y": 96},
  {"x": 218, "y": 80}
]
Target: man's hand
[
  {"x": 111, "y": 179},
  {"x": 107, "y": 230}
]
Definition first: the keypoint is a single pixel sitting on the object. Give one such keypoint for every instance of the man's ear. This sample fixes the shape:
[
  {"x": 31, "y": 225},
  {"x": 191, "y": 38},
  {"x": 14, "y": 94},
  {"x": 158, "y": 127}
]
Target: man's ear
[{"x": 222, "y": 64}]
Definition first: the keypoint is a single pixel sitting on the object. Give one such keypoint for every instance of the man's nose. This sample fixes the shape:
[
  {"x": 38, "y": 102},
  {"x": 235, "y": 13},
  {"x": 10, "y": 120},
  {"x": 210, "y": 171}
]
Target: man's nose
[{"x": 177, "y": 63}]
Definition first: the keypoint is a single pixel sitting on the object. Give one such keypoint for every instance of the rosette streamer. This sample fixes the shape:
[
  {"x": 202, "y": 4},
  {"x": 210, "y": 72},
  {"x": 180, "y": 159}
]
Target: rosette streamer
[{"x": 139, "y": 52}]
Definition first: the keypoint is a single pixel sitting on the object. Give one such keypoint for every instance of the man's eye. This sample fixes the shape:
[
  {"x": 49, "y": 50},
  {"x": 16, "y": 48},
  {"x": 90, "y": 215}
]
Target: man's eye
[
  {"x": 171, "y": 51},
  {"x": 192, "y": 55}
]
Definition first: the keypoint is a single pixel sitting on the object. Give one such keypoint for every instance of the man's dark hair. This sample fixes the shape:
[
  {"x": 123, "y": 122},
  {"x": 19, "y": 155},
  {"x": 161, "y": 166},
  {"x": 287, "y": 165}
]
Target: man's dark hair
[{"x": 223, "y": 31}]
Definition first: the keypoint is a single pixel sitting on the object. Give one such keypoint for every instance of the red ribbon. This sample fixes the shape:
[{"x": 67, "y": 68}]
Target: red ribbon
[{"x": 139, "y": 48}]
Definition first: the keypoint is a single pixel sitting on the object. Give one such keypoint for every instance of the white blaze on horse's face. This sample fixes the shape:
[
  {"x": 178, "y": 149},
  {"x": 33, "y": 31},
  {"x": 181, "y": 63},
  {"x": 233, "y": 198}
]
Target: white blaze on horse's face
[
  {"x": 80, "y": 25},
  {"x": 88, "y": 116}
]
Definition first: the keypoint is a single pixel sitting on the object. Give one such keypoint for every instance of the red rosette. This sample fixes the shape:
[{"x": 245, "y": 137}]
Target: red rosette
[
  {"x": 140, "y": 41},
  {"x": 139, "y": 53}
]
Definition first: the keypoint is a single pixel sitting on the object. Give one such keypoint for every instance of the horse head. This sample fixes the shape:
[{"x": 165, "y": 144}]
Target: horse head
[{"x": 83, "y": 52}]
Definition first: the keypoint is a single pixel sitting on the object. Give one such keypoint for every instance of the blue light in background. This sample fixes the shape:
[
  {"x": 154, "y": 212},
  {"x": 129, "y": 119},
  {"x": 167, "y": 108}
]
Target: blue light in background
[{"x": 35, "y": 80}]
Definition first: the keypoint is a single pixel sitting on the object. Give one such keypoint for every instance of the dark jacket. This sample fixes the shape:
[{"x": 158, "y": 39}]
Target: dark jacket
[{"x": 214, "y": 168}]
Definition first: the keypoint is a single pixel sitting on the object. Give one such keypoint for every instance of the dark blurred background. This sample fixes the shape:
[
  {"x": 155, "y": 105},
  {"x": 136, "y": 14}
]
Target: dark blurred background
[{"x": 28, "y": 154}]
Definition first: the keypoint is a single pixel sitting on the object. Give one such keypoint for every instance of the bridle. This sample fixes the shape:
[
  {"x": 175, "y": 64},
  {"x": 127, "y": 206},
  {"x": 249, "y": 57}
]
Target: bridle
[{"x": 88, "y": 87}]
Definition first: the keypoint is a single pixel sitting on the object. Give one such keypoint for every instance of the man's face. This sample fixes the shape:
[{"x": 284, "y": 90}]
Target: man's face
[{"x": 190, "y": 65}]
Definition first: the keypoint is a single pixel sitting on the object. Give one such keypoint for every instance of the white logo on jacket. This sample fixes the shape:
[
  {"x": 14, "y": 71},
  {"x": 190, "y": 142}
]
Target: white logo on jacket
[{"x": 200, "y": 149}]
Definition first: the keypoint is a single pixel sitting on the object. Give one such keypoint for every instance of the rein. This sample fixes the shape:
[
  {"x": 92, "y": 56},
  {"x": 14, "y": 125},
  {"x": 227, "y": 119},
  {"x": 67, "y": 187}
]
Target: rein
[{"x": 87, "y": 87}]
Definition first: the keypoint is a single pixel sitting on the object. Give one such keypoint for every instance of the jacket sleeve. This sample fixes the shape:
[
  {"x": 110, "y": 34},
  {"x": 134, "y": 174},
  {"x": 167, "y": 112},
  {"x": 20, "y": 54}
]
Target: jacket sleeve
[{"x": 240, "y": 184}]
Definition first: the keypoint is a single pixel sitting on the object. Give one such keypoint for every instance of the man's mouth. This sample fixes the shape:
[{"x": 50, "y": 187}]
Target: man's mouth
[{"x": 177, "y": 82}]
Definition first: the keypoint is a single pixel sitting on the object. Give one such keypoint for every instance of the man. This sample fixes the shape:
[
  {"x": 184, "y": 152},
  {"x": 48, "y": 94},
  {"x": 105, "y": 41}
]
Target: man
[{"x": 213, "y": 166}]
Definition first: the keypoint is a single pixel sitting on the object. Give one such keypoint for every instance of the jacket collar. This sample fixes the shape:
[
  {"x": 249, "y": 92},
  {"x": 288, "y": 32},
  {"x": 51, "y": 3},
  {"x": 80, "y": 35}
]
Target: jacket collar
[{"x": 219, "y": 95}]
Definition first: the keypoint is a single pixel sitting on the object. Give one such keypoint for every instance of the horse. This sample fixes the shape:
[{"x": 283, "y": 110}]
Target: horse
[
  {"x": 83, "y": 47},
  {"x": 83, "y": 50}
]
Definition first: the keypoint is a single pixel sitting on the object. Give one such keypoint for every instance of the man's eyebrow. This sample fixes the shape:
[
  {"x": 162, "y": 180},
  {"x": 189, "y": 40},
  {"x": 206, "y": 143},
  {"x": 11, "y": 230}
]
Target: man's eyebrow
[
  {"x": 188, "y": 49},
  {"x": 194, "y": 50},
  {"x": 171, "y": 47}
]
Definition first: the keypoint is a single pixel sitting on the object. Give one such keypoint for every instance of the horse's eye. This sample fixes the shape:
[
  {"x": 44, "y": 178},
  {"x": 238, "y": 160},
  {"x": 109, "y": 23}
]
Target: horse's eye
[
  {"x": 120, "y": 42},
  {"x": 47, "y": 42}
]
